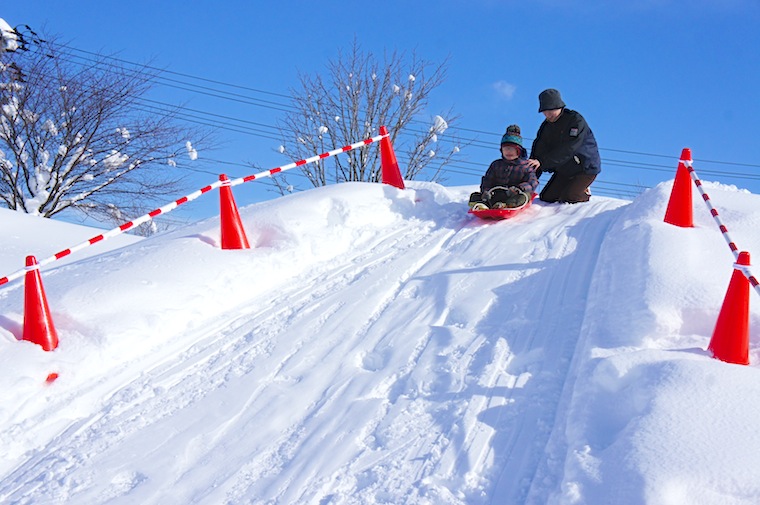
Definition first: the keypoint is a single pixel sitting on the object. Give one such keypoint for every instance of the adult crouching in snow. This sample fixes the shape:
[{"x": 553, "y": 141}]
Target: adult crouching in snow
[
  {"x": 566, "y": 148},
  {"x": 509, "y": 181}
]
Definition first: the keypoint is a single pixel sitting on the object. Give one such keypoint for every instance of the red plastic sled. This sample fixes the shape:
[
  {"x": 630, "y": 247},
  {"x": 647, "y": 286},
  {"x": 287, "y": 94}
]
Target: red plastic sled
[{"x": 501, "y": 213}]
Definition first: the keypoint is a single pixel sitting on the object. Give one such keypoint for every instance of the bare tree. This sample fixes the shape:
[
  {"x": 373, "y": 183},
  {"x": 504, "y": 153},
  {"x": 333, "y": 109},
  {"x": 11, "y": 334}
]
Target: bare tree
[
  {"x": 349, "y": 104},
  {"x": 74, "y": 137}
]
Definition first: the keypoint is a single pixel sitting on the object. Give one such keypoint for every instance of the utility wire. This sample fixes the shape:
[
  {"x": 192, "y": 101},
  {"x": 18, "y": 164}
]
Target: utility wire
[
  {"x": 199, "y": 117},
  {"x": 286, "y": 108}
]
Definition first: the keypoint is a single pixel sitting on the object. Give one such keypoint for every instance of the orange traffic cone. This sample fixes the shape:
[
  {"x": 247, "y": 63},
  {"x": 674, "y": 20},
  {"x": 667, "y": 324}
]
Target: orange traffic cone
[
  {"x": 38, "y": 325},
  {"x": 233, "y": 234},
  {"x": 679, "y": 211},
  {"x": 391, "y": 173},
  {"x": 730, "y": 339}
]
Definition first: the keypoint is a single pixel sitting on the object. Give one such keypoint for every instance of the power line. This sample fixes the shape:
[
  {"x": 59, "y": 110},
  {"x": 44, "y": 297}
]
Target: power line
[
  {"x": 281, "y": 106},
  {"x": 163, "y": 70},
  {"x": 285, "y": 108},
  {"x": 212, "y": 120}
]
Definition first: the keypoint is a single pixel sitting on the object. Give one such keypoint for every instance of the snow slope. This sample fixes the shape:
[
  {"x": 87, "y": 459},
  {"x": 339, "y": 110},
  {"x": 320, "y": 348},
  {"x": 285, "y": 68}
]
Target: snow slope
[{"x": 382, "y": 346}]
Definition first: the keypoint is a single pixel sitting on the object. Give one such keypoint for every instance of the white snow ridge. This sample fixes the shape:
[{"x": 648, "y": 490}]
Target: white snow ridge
[{"x": 382, "y": 346}]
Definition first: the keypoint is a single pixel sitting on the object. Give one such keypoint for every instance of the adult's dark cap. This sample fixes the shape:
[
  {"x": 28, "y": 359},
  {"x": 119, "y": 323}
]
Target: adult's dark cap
[{"x": 550, "y": 99}]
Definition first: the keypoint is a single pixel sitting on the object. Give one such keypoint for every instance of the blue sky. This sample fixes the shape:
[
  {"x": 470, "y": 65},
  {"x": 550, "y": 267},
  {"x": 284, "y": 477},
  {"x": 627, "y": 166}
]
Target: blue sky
[{"x": 649, "y": 76}]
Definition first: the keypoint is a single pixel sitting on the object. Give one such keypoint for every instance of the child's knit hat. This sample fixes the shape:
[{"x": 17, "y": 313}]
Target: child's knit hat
[{"x": 512, "y": 136}]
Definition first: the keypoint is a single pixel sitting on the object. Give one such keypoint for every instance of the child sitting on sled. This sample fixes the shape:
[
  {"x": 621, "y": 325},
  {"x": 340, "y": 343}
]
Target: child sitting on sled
[{"x": 510, "y": 181}]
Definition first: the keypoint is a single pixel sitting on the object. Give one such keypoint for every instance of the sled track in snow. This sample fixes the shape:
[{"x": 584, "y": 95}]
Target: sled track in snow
[
  {"x": 458, "y": 455},
  {"x": 563, "y": 289},
  {"x": 203, "y": 365},
  {"x": 506, "y": 426},
  {"x": 475, "y": 434}
]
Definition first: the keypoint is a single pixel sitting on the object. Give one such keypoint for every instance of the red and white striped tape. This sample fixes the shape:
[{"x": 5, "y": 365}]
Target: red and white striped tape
[
  {"x": 192, "y": 196},
  {"x": 689, "y": 164},
  {"x": 268, "y": 173},
  {"x": 111, "y": 233}
]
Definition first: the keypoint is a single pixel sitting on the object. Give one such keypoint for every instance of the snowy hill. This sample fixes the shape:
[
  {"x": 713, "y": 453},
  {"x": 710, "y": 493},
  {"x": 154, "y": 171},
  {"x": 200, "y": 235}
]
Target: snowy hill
[{"x": 382, "y": 346}]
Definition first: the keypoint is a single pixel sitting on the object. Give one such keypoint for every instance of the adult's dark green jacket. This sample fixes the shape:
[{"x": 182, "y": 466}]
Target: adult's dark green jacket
[{"x": 566, "y": 146}]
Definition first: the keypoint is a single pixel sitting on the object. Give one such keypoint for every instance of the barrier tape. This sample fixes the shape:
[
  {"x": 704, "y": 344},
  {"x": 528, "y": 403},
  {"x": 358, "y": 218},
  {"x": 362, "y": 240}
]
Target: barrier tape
[
  {"x": 748, "y": 274},
  {"x": 723, "y": 229},
  {"x": 173, "y": 205},
  {"x": 111, "y": 233},
  {"x": 267, "y": 173}
]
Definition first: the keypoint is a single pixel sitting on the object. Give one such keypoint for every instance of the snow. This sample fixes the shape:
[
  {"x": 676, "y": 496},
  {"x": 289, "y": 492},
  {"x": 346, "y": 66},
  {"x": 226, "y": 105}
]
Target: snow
[
  {"x": 191, "y": 152},
  {"x": 114, "y": 160},
  {"x": 50, "y": 127},
  {"x": 439, "y": 125},
  {"x": 124, "y": 133},
  {"x": 10, "y": 110},
  {"x": 377, "y": 346},
  {"x": 8, "y": 37}
]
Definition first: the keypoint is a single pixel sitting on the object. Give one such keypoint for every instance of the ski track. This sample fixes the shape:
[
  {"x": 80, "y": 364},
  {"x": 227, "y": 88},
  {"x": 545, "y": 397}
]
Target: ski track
[
  {"x": 165, "y": 389},
  {"x": 566, "y": 289},
  {"x": 492, "y": 458},
  {"x": 476, "y": 434}
]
